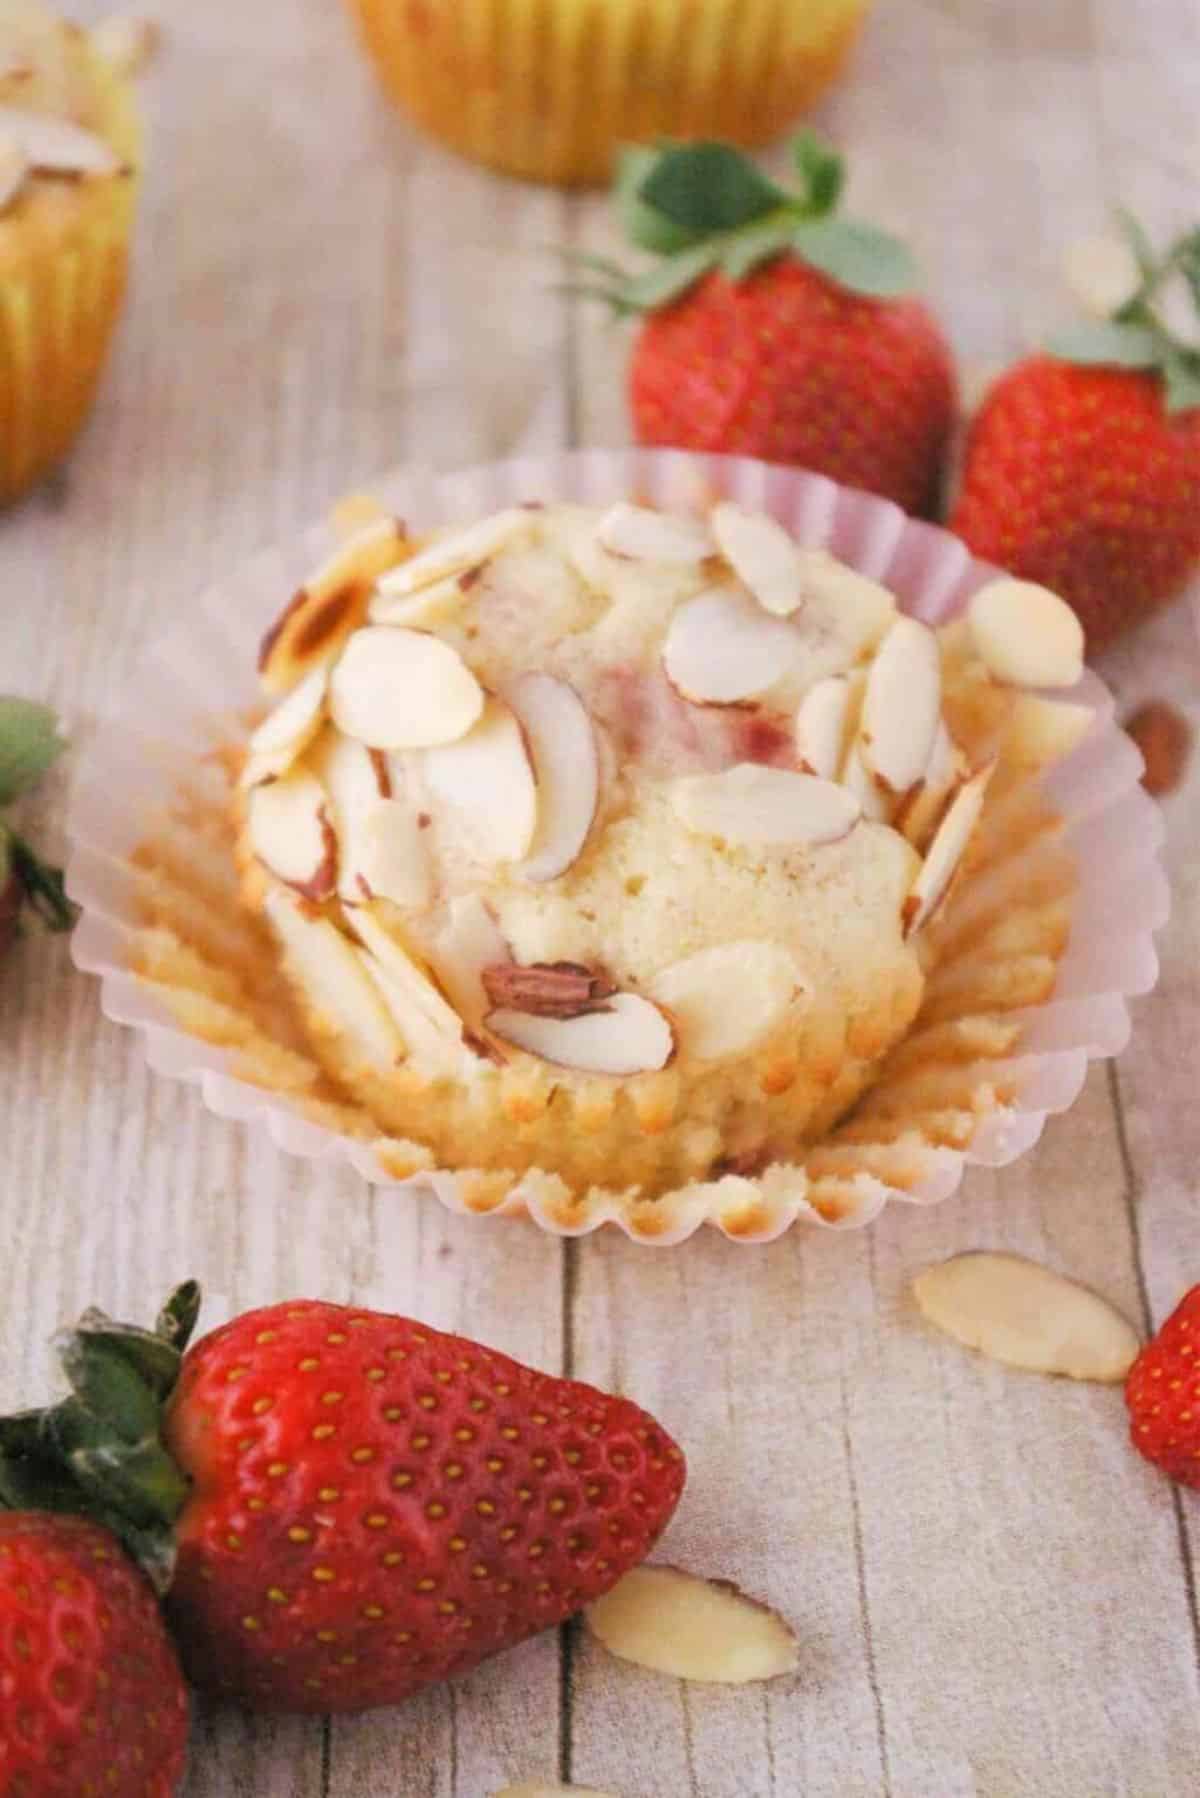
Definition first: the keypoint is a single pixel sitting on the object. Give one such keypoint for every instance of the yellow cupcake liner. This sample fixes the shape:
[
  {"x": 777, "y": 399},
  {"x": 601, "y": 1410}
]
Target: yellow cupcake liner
[
  {"x": 548, "y": 89},
  {"x": 64, "y": 255}
]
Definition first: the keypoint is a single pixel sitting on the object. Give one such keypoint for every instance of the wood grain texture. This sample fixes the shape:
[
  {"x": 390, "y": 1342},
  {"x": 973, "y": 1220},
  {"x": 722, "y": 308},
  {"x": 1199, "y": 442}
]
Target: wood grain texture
[{"x": 995, "y": 1598}]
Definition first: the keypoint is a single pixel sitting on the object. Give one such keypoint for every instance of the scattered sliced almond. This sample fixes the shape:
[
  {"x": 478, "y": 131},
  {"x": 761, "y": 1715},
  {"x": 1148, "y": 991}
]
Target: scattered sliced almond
[
  {"x": 381, "y": 850},
  {"x": 844, "y": 604},
  {"x": 291, "y": 834},
  {"x": 334, "y": 981},
  {"x": 932, "y": 886},
  {"x": 822, "y": 723},
  {"x": 432, "y": 1029},
  {"x": 469, "y": 941},
  {"x": 14, "y": 168},
  {"x": 1027, "y": 1316},
  {"x": 722, "y": 648},
  {"x": 762, "y": 555},
  {"x": 485, "y": 781},
  {"x": 328, "y": 607},
  {"x": 456, "y": 553},
  {"x": 639, "y": 534},
  {"x": 771, "y": 807},
  {"x": 691, "y": 1628},
  {"x": 401, "y": 689},
  {"x": 1026, "y": 635},
  {"x": 1102, "y": 273},
  {"x": 902, "y": 704},
  {"x": 922, "y": 810},
  {"x": 282, "y": 738},
  {"x": 630, "y": 1036},
  {"x": 427, "y": 609},
  {"x": 725, "y": 1000},
  {"x": 561, "y": 742},
  {"x": 535, "y": 1789},
  {"x": 55, "y": 146},
  {"x": 128, "y": 42},
  {"x": 865, "y": 787}
]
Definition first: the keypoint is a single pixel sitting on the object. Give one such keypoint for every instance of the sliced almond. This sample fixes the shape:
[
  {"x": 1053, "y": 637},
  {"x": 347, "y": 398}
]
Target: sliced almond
[
  {"x": 485, "y": 781},
  {"x": 1027, "y": 1316},
  {"x": 14, "y": 168},
  {"x": 128, "y": 42},
  {"x": 558, "y": 989},
  {"x": 630, "y": 1036},
  {"x": 328, "y": 607},
  {"x": 691, "y": 1628},
  {"x": 932, "y": 886},
  {"x": 1026, "y": 635},
  {"x": 427, "y": 609},
  {"x": 725, "y": 1000},
  {"x": 432, "y": 1029},
  {"x": 822, "y": 724},
  {"x": 771, "y": 807},
  {"x": 291, "y": 834},
  {"x": 468, "y": 941},
  {"x": 902, "y": 704},
  {"x": 923, "y": 807},
  {"x": 722, "y": 648},
  {"x": 282, "y": 738},
  {"x": 401, "y": 689},
  {"x": 561, "y": 742},
  {"x": 351, "y": 779},
  {"x": 1102, "y": 273},
  {"x": 864, "y": 786},
  {"x": 334, "y": 981},
  {"x": 843, "y": 607},
  {"x": 762, "y": 555},
  {"x": 456, "y": 553},
  {"x": 640, "y": 534},
  {"x": 55, "y": 146}
]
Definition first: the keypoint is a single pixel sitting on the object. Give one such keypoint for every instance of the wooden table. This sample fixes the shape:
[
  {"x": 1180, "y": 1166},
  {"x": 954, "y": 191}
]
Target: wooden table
[{"x": 994, "y": 1596}]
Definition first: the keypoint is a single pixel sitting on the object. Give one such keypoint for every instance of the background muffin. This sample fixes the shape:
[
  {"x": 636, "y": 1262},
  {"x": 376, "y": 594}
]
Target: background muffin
[{"x": 548, "y": 89}]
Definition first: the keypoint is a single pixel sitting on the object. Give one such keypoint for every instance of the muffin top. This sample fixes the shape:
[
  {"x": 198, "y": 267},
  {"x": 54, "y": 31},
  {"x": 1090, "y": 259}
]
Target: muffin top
[{"x": 617, "y": 788}]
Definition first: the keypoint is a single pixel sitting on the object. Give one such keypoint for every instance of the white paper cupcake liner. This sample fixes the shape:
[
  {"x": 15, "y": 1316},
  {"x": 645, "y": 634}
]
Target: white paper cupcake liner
[{"x": 194, "y": 693}]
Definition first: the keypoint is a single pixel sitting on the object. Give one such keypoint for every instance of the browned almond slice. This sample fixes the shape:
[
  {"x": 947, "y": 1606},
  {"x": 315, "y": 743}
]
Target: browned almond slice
[
  {"x": 918, "y": 817},
  {"x": 335, "y": 984},
  {"x": 822, "y": 725},
  {"x": 331, "y": 603},
  {"x": 630, "y": 1036},
  {"x": 57, "y": 147},
  {"x": 427, "y": 608},
  {"x": 537, "y": 1789},
  {"x": 432, "y": 1029},
  {"x": 691, "y": 1628},
  {"x": 941, "y": 864},
  {"x": 291, "y": 834},
  {"x": 566, "y": 766},
  {"x": 767, "y": 806},
  {"x": 902, "y": 704},
  {"x": 762, "y": 555},
  {"x": 485, "y": 781},
  {"x": 401, "y": 689},
  {"x": 722, "y": 648},
  {"x": 283, "y": 737},
  {"x": 469, "y": 941},
  {"x": 14, "y": 168},
  {"x": 127, "y": 42},
  {"x": 725, "y": 1000},
  {"x": 1027, "y": 1316},
  {"x": 1026, "y": 635},
  {"x": 639, "y": 534},
  {"x": 456, "y": 552}
]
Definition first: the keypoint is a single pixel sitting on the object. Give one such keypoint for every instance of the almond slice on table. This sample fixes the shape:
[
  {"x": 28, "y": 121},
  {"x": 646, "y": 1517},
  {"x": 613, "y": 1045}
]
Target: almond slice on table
[
  {"x": 1027, "y": 1316},
  {"x": 725, "y": 1000},
  {"x": 335, "y": 982},
  {"x": 469, "y": 941},
  {"x": 1026, "y": 635},
  {"x": 456, "y": 553},
  {"x": 54, "y": 146},
  {"x": 14, "y": 169},
  {"x": 283, "y": 737},
  {"x": 427, "y": 609},
  {"x": 561, "y": 742},
  {"x": 401, "y": 689},
  {"x": 699, "y": 1629},
  {"x": 944, "y": 855},
  {"x": 128, "y": 42},
  {"x": 763, "y": 555},
  {"x": 722, "y": 648},
  {"x": 432, "y": 1029},
  {"x": 822, "y": 725},
  {"x": 630, "y": 1036},
  {"x": 291, "y": 834},
  {"x": 486, "y": 781},
  {"x": 902, "y": 704},
  {"x": 330, "y": 605},
  {"x": 640, "y": 534},
  {"x": 771, "y": 807}
]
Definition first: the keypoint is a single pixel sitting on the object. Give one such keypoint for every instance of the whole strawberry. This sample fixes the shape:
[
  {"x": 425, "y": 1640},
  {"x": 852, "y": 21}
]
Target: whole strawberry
[
  {"x": 773, "y": 327},
  {"x": 92, "y": 1696},
  {"x": 1082, "y": 467},
  {"x": 1163, "y": 1395}
]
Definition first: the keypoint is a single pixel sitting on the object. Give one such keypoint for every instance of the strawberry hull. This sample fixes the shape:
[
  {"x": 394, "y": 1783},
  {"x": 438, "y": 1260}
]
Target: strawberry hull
[{"x": 377, "y": 1506}]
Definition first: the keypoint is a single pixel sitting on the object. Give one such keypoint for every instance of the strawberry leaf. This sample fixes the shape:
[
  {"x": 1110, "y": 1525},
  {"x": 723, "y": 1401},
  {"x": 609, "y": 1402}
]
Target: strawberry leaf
[
  {"x": 1143, "y": 250},
  {"x": 42, "y": 886},
  {"x": 670, "y": 279},
  {"x": 29, "y": 744},
  {"x": 1181, "y": 374},
  {"x": 822, "y": 171},
  {"x": 706, "y": 187},
  {"x": 749, "y": 249},
  {"x": 642, "y": 223},
  {"x": 857, "y": 256},
  {"x": 1108, "y": 343}
]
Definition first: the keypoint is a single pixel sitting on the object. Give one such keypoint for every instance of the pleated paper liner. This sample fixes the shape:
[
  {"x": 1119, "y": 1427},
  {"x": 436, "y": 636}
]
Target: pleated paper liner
[{"x": 1046, "y": 937}]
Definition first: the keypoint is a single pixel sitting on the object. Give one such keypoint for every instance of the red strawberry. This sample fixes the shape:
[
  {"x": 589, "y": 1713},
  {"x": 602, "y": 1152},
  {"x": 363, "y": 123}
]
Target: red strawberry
[
  {"x": 348, "y": 1506},
  {"x": 92, "y": 1698},
  {"x": 775, "y": 329},
  {"x": 1082, "y": 467},
  {"x": 1163, "y": 1395}
]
